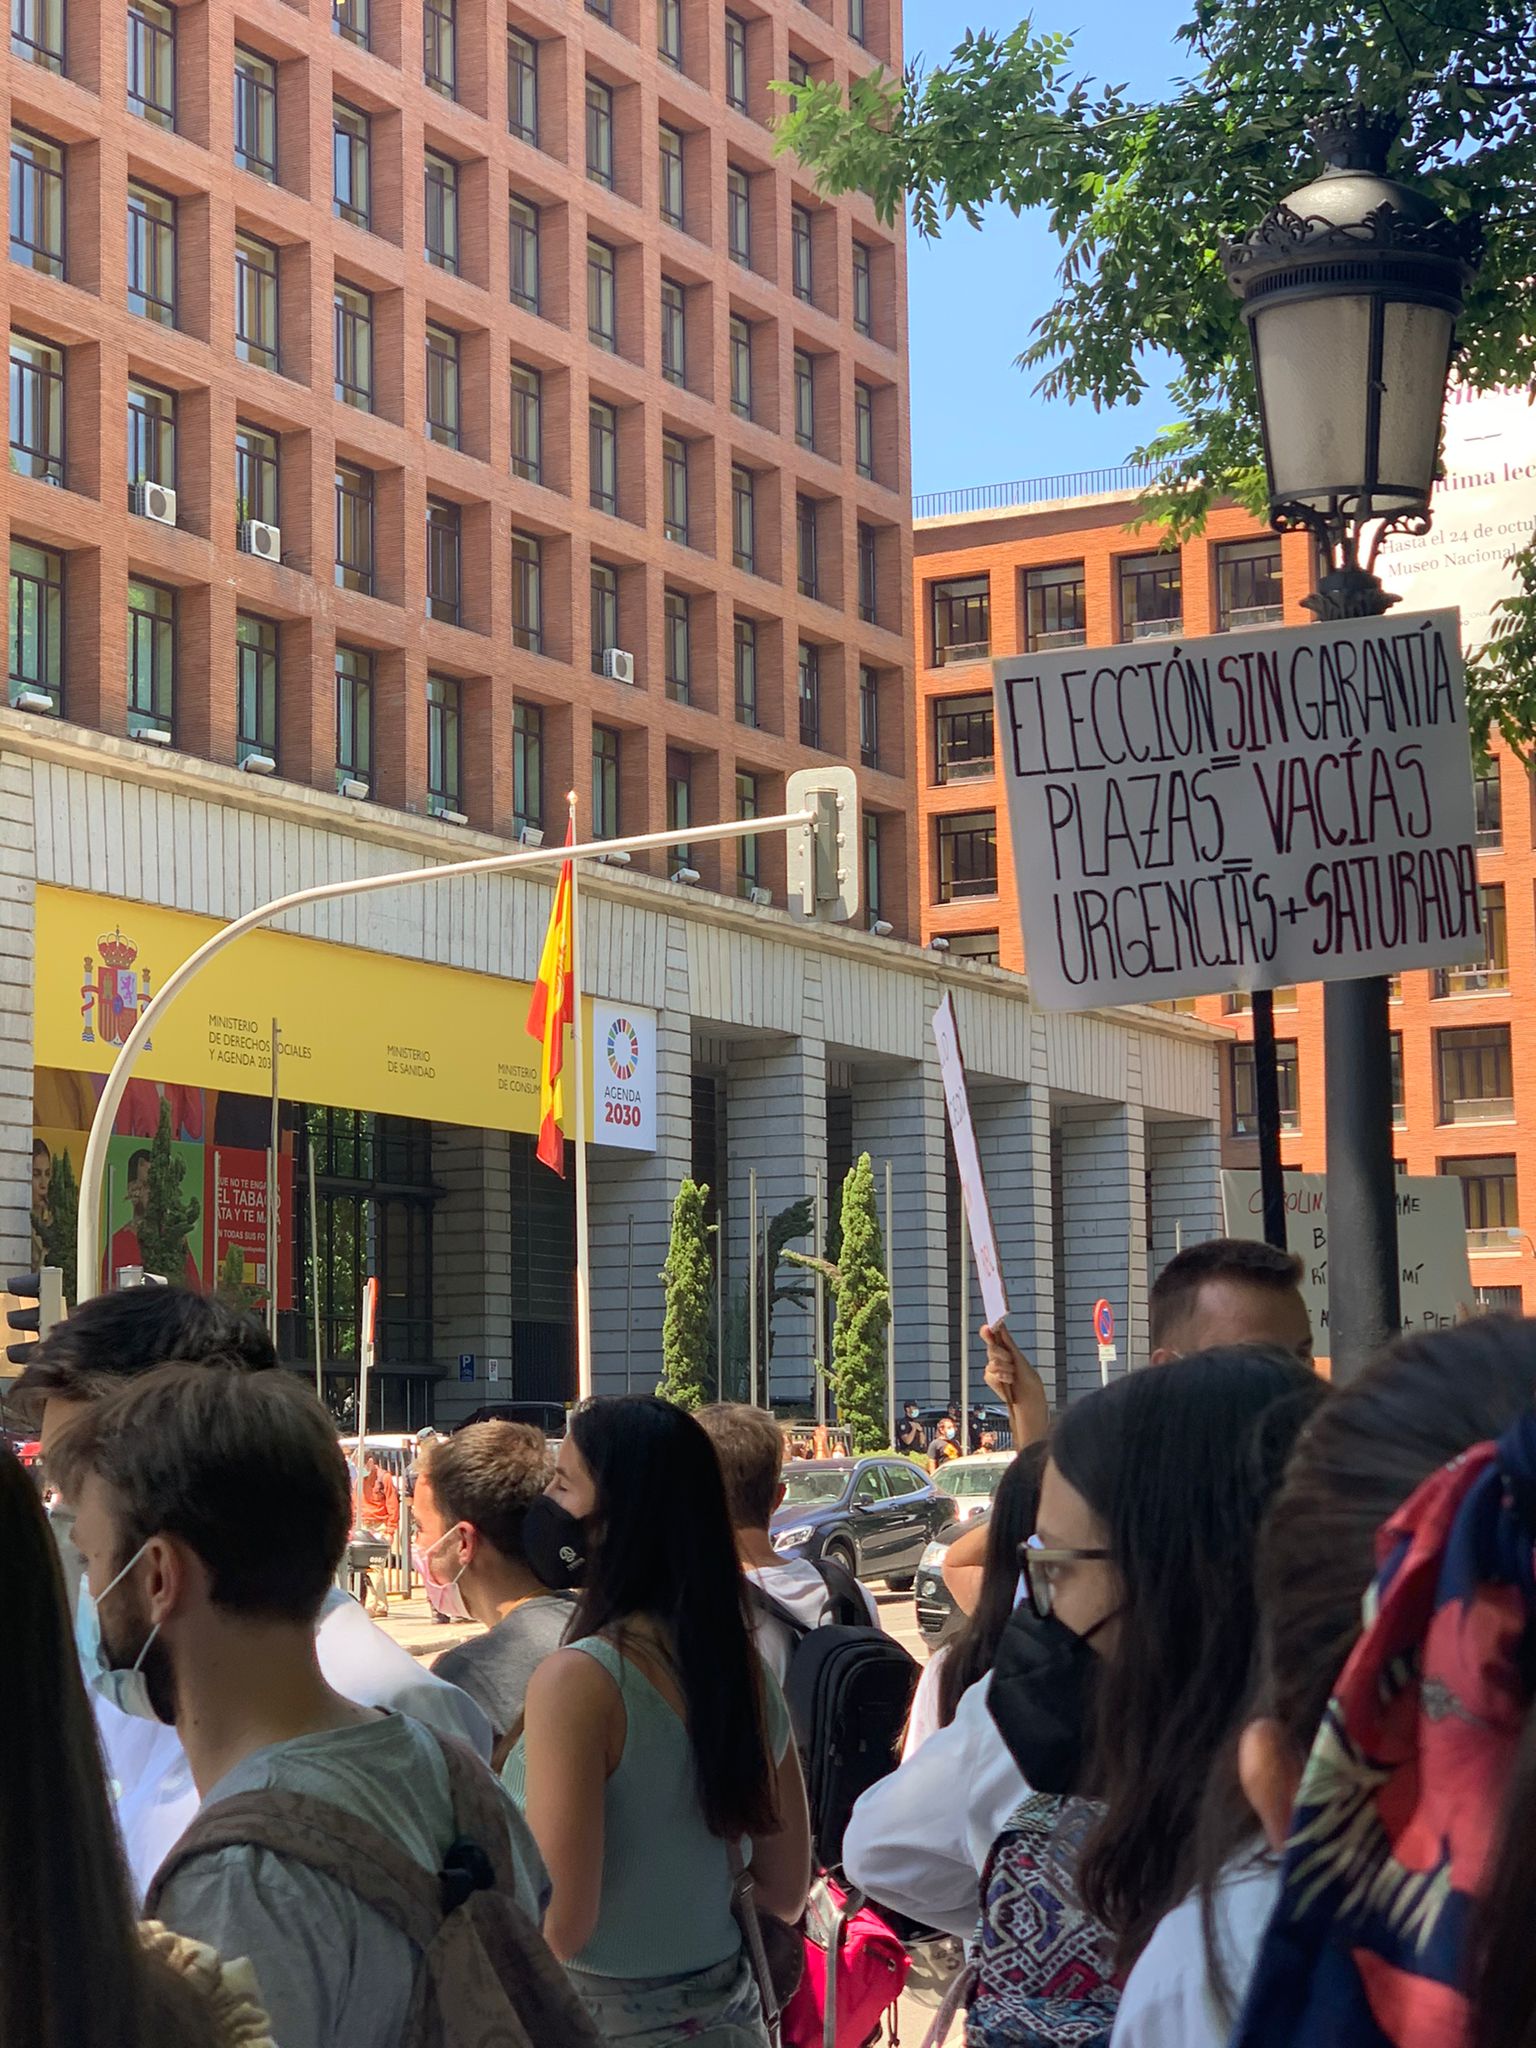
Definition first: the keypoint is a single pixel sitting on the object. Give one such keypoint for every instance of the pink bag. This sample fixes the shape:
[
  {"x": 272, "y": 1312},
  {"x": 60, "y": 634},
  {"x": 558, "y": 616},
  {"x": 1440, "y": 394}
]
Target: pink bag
[{"x": 855, "y": 1970}]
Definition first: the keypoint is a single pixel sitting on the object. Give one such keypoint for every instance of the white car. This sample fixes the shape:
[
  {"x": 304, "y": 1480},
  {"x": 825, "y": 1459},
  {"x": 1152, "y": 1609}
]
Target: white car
[{"x": 971, "y": 1482}]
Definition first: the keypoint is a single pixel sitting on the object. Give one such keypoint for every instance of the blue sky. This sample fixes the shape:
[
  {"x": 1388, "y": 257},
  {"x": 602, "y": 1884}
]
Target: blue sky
[{"x": 974, "y": 295}]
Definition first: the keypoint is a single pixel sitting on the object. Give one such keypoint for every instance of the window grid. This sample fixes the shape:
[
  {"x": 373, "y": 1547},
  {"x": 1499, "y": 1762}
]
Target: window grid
[
  {"x": 1490, "y": 974},
  {"x": 1248, "y": 589},
  {"x": 151, "y": 435},
  {"x": 444, "y": 562},
  {"x": 442, "y": 218},
  {"x": 869, "y": 717},
  {"x": 808, "y": 666},
  {"x": 967, "y": 855},
  {"x": 679, "y": 805},
  {"x": 736, "y": 63},
  {"x": 963, "y": 738},
  {"x": 445, "y": 760},
  {"x": 527, "y": 424},
  {"x": 805, "y": 400},
  {"x": 527, "y": 593},
  {"x": 353, "y": 309},
  {"x": 677, "y": 645},
  {"x": 1151, "y": 596},
  {"x": 671, "y": 156},
  {"x": 741, "y": 367},
  {"x": 255, "y": 114},
  {"x": 1490, "y": 1195},
  {"x": 37, "y": 203},
  {"x": 743, "y": 519},
  {"x": 603, "y": 456},
  {"x": 1487, "y": 806},
  {"x": 256, "y": 687},
  {"x": 152, "y": 255},
  {"x": 802, "y": 274},
  {"x": 669, "y": 32},
  {"x": 37, "y": 409},
  {"x": 527, "y": 766},
  {"x": 738, "y": 216},
  {"x": 256, "y": 325},
  {"x": 864, "y": 430},
  {"x": 869, "y": 574},
  {"x": 744, "y": 662},
  {"x": 806, "y": 567},
  {"x": 354, "y": 528},
  {"x": 442, "y": 385},
  {"x": 749, "y": 871},
  {"x": 351, "y": 165},
  {"x": 602, "y": 318},
  {"x": 674, "y": 488},
  {"x": 605, "y": 782},
  {"x": 522, "y": 87},
  {"x": 255, "y": 474},
  {"x": 351, "y": 19},
  {"x": 863, "y": 291},
  {"x": 674, "y": 349},
  {"x": 152, "y": 63},
  {"x": 37, "y": 33},
  {"x": 600, "y": 133},
  {"x": 961, "y": 613},
  {"x": 1055, "y": 605},
  {"x": 36, "y": 622},
  {"x": 1245, "y": 1106},
  {"x": 523, "y": 231},
  {"x": 872, "y": 889},
  {"x": 604, "y": 588},
  {"x": 354, "y": 715},
  {"x": 151, "y": 657},
  {"x": 1476, "y": 1075},
  {"x": 440, "y": 47}
]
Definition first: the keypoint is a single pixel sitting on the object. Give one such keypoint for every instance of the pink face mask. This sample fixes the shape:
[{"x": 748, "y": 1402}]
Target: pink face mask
[{"x": 445, "y": 1600}]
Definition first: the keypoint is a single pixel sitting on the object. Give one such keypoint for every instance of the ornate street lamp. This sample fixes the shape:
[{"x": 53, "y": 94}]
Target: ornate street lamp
[{"x": 1351, "y": 291}]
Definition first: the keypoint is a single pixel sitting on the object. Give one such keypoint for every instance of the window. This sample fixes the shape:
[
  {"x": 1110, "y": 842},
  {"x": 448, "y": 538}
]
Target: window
[
  {"x": 444, "y": 566},
  {"x": 1399, "y": 1107},
  {"x": 442, "y": 182},
  {"x": 151, "y": 435},
  {"x": 872, "y": 865},
  {"x": 37, "y": 409},
  {"x": 527, "y": 592},
  {"x": 603, "y": 455},
  {"x": 1490, "y": 1196},
  {"x": 1491, "y": 974},
  {"x": 858, "y": 27},
  {"x": 36, "y": 636},
  {"x": 1499, "y": 1301},
  {"x": 1487, "y": 804},
  {"x": 522, "y": 87},
  {"x": 674, "y": 488},
  {"x": 445, "y": 759},
  {"x": 669, "y": 32},
  {"x": 869, "y": 574},
  {"x": 527, "y": 424},
  {"x": 354, "y": 715},
  {"x": 523, "y": 229},
  {"x": 738, "y": 216},
  {"x": 679, "y": 805},
  {"x": 354, "y": 527},
  {"x": 152, "y": 255},
  {"x": 151, "y": 657},
  {"x": 600, "y": 133},
  {"x": 37, "y": 204},
  {"x": 439, "y": 47},
  {"x": 1476, "y": 1075},
  {"x": 255, "y": 474},
  {"x": 1151, "y": 596},
  {"x": 978, "y": 946},
  {"x": 152, "y": 62},
  {"x": 255, "y": 302},
  {"x": 1054, "y": 611},
  {"x": 671, "y": 176},
  {"x": 674, "y": 352},
  {"x": 741, "y": 367},
  {"x": 605, "y": 782},
  {"x": 967, "y": 855},
  {"x": 749, "y": 873},
  {"x": 869, "y": 717},
  {"x": 605, "y": 612},
  {"x": 962, "y": 738},
  {"x": 863, "y": 429},
  {"x": 808, "y": 667},
  {"x": 743, "y": 518},
  {"x": 1248, "y": 585},
  {"x": 37, "y": 33},
  {"x": 1240, "y": 1002},
  {"x": 527, "y": 766},
  {"x": 962, "y": 620},
  {"x": 602, "y": 325},
  {"x": 805, "y": 545},
  {"x": 442, "y": 385},
  {"x": 354, "y": 346},
  {"x": 255, "y": 114},
  {"x": 676, "y": 645},
  {"x": 255, "y": 687},
  {"x": 350, "y": 19},
  {"x": 351, "y": 165},
  {"x": 801, "y": 274},
  {"x": 744, "y": 655},
  {"x": 603, "y": 9},
  {"x": 736, "y": 62},
  {"x": 1245, "y": 1104},
  {"x": 863, "y": 290},
  {"x": 805, "y": 399}
]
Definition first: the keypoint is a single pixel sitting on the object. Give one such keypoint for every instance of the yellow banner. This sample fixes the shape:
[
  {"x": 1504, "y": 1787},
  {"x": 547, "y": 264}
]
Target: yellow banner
[{"x": 359, "y": 1030}]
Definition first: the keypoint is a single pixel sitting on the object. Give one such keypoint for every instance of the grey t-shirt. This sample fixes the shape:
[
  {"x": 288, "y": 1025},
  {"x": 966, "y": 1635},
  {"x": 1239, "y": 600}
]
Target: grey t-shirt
[
  {"x": 333, "y": 1973},
  {"x": 494, "y": 1669}
]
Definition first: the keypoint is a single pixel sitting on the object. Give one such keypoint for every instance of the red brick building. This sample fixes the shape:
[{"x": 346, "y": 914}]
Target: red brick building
[{"x": 1018, "y": 567}]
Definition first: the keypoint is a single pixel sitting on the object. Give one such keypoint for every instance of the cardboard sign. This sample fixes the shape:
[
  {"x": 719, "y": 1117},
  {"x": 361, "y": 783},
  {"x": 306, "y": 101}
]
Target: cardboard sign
[
  {"x": 973, "y": 1188},
  {"x": 1431, "y": 1243},
  {"x": 1245, "y": 811}
]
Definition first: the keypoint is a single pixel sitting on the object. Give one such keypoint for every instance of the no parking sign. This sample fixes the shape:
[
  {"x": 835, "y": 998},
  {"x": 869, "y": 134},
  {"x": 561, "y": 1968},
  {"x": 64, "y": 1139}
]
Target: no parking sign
[{"x": 1104, "y": 1331}]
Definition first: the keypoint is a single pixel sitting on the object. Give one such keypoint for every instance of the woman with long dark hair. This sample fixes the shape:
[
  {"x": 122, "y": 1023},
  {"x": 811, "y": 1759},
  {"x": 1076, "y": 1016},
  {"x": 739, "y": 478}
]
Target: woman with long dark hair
[
  {"x": 655, "y": 1750},
  {"x": 75, "y": 1970}
]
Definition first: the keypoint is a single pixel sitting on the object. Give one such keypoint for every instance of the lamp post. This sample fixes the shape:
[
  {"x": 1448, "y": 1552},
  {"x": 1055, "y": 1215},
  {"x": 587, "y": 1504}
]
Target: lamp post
[{"x": 1351, "y": 290}]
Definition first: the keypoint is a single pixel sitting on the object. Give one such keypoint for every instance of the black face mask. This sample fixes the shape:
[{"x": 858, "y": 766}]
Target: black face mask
[
  {"x": 1044, "y": 1682},
  {"x": 555, "y": 1544}
]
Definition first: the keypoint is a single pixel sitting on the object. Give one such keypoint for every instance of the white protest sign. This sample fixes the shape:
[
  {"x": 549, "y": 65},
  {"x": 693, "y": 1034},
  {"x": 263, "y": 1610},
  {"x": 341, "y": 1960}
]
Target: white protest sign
[
  {"x": 1244, "y": 811},
  {"x": 1431, "y": 1242},
  {"x": 973, "y": 1188}
]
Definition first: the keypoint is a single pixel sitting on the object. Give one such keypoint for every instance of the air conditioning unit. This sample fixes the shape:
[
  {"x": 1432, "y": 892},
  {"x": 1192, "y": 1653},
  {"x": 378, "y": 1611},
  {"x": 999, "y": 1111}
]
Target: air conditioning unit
[
  {"x": 531, "y": 835},
  {"x": 619, "y": 665},
  {"x": 33, "y": 700},
  {"x": 154, "y": 501},
  {"x": 259, "y": 764},
  {"x": 257, "y": 538},
  {"x": 620, "y": 859},
  {"x": 761, "y": 897},
  {"x": 451, "y": 817},
  {"x": 881, "y": 927},
  {"x": 153, "y": 736},
  {"x": 690, "y": 876},
  {"x": 353, "y": 786}
]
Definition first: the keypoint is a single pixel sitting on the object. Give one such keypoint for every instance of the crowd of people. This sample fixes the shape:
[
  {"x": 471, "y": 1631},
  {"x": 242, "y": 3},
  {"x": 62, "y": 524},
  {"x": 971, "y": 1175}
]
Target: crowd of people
[{"x": 1236, "y": 1744}]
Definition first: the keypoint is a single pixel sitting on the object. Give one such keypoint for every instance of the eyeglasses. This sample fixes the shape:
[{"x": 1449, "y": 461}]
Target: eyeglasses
[{"x": 1039, "y": 1568}]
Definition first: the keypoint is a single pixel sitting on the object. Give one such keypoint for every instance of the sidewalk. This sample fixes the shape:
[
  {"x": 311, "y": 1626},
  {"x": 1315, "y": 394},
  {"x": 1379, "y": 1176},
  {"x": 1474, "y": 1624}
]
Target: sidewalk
[{"x": 411, "y": 1624}]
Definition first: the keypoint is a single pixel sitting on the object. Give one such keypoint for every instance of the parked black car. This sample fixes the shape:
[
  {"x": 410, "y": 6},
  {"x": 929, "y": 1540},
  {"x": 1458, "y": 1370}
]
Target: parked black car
[
  {"x": 548, "y": 1416},
  {"x": 938, "y": 1617},
  {"x": 874, "y": 1516}
]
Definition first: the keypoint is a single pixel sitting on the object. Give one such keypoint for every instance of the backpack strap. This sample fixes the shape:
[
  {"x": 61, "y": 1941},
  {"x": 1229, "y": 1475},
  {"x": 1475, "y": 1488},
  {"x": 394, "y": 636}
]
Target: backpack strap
[
  {"x": 765, "y": 1604},
  {"x": 843, "y": 1591}
]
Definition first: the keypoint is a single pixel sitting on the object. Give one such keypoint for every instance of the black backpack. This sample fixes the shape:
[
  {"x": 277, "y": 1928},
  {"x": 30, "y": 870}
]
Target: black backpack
[{"x": 849, "y": 1690}]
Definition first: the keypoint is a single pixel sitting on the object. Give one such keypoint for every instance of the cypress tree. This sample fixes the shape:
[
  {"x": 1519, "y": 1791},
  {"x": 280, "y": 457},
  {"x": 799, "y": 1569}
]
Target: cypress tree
[
  {"x": 689, "y": 1283},
  {"x": 863, "y": 1311}
]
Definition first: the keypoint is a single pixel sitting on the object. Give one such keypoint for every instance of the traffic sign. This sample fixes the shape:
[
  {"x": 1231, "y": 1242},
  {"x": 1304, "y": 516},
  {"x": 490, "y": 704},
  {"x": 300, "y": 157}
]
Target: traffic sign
[
  {"x": 1103, "y": 1322},
  {"x": 466, "y": 1365}
]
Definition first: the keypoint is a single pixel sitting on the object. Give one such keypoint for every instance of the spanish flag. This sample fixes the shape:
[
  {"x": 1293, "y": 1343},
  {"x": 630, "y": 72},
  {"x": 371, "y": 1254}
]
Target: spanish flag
[{"x": 552, "y": 1008}]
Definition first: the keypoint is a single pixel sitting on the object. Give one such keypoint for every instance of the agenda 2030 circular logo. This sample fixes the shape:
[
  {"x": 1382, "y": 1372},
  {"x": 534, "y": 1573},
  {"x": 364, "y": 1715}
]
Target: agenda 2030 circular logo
[{"x": 623, "y": 1049}]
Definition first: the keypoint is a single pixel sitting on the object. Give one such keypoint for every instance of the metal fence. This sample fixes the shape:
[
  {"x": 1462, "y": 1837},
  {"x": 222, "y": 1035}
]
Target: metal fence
[{"x": 1038, "y": 490}]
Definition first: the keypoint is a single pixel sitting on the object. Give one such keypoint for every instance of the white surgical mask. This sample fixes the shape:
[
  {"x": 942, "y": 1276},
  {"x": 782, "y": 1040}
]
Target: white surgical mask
[
  {"x": 127, "y": 1690},
  {"x": 61, "y": 1520},
  {"x": 446, "y": 1599}
]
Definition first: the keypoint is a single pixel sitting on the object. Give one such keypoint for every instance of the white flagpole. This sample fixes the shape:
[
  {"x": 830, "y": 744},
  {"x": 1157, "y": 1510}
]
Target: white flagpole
[{"x": 579, "y": 1133}]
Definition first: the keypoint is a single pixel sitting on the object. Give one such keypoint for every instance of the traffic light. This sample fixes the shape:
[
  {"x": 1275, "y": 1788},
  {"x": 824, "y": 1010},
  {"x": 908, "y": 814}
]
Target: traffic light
[
  {"x": 825, "y": 858},
  {"x": 45, "y": 1289}
]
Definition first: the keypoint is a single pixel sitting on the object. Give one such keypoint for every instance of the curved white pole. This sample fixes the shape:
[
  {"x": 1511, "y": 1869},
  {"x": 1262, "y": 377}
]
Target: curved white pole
[{"x": 93, "y": 1169}]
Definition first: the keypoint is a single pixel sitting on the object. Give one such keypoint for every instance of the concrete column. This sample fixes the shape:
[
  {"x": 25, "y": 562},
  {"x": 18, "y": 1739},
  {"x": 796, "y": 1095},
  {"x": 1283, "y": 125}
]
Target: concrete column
[
  {"x": 1102, "y": 1250},
  {"x": 18, "y": 888},
  {"x": 1184, "y": 1160},
  {"x": 900, "y": 1117},
  {"x": 1013, "y": 1136},
  {"x": 471, "y": 1284},
  {"x": 776, "y": 1121}
]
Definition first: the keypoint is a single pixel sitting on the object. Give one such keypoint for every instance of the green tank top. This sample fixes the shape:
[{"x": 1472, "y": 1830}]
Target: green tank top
[{"x": 665, "y": 1907}]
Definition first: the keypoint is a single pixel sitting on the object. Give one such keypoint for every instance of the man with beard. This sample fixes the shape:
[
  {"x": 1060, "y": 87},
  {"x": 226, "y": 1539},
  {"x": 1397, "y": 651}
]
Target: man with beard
[{"x": 204, "y": 1617}]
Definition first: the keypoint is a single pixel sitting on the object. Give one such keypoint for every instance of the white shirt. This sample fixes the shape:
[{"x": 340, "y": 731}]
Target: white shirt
[
  {"x": 147, "y": 1768},
  {"x": 801, "y": 1591},
  {"x": 923, "y": 1720},
  {"x": 919, "y": 1839},
  {"x": 1169, "y": 2000}
]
